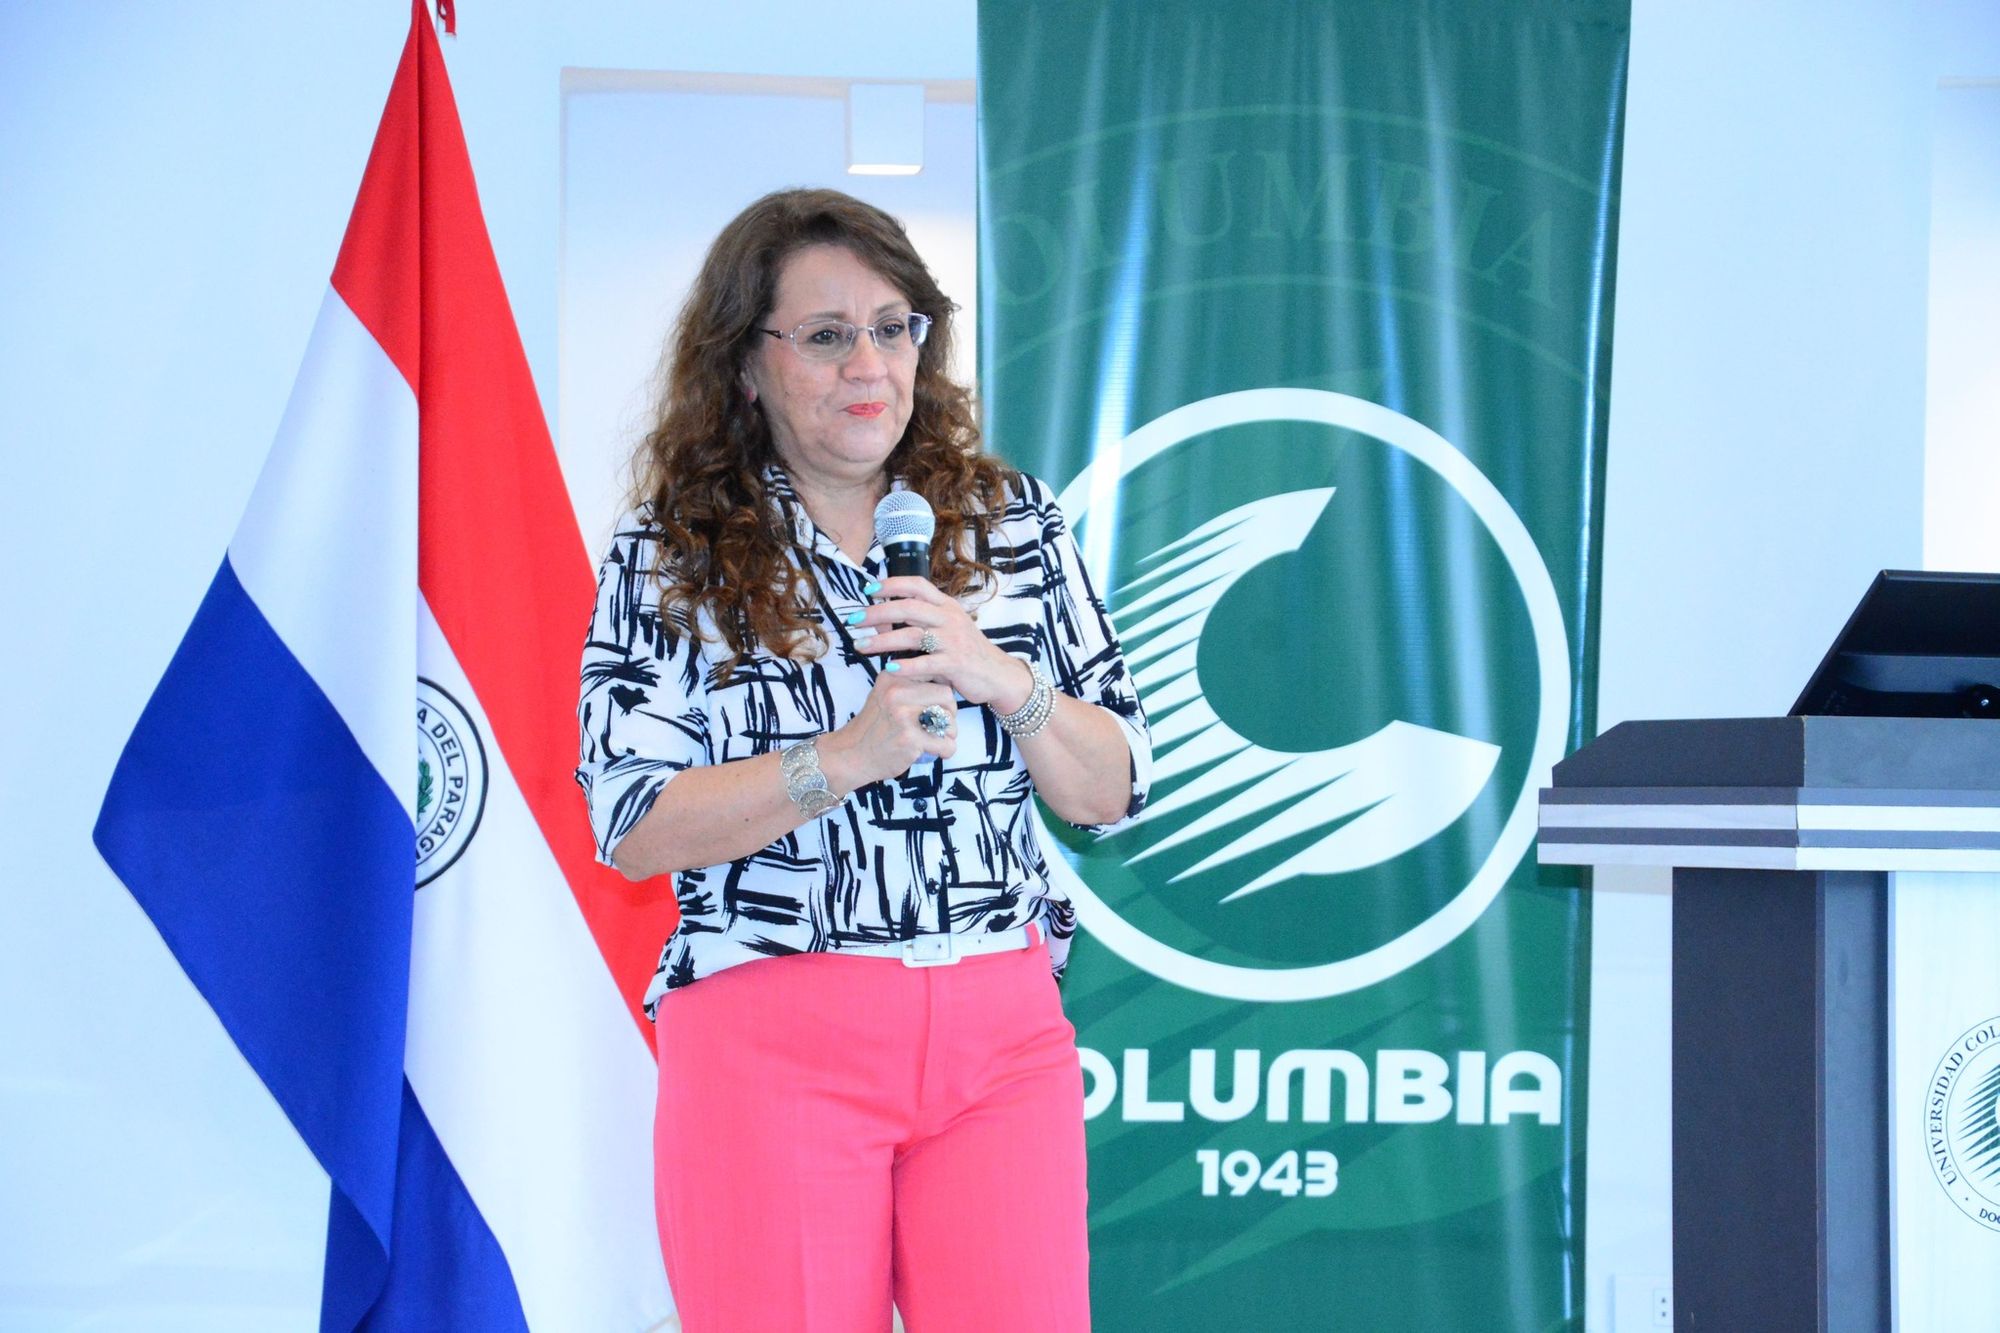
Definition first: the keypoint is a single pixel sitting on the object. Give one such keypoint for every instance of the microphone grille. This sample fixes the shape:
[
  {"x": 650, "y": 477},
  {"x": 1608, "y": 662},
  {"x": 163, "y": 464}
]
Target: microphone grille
[{"x": 904, "y": 516}]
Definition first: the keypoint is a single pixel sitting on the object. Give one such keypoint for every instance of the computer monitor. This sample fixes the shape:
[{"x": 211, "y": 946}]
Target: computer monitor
[{"x": 1918, "y": 645}]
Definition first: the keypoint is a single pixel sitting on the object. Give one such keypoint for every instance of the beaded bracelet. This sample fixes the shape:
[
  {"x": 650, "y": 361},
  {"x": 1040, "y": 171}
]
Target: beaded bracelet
[{"x": 1034, "y": 714}]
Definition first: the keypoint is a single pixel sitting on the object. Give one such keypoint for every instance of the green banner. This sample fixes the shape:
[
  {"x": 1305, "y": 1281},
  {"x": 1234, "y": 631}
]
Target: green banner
[{"x": 1304, "y": 308}]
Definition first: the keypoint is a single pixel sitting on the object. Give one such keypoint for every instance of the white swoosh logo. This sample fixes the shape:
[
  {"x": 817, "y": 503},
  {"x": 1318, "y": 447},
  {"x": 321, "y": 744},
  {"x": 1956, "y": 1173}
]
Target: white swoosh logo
[{"x": 1407, "y": 783}]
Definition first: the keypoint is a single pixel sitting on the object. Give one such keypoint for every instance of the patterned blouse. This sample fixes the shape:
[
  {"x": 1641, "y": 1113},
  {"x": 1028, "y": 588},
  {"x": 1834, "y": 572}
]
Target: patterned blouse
[{"x": 950, "y": 846}]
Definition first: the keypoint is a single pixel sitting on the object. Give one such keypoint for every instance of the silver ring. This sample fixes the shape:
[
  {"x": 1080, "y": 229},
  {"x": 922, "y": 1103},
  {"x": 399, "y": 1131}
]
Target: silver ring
[
  {"x": 928, "y": 641},
  {"x": 935, "y": 720}
]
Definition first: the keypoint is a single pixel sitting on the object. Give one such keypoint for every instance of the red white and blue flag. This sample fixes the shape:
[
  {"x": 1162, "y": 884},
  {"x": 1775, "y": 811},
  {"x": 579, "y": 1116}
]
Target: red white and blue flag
[{"x": 452, "y": 1033}]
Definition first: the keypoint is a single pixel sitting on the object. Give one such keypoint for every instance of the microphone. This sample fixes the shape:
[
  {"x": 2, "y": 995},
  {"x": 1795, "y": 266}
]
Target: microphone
[{"x": 903, "y": 525}]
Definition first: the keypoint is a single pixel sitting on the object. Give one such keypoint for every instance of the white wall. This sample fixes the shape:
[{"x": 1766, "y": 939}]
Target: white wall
[
  {"x": 1962, "y": 433},
  {"x": 176, "y": 181}
]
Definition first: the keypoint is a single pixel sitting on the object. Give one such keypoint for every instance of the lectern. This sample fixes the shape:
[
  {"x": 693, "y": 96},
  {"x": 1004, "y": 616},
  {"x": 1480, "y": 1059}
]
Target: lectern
[{"x": 1836, "y": 1007}]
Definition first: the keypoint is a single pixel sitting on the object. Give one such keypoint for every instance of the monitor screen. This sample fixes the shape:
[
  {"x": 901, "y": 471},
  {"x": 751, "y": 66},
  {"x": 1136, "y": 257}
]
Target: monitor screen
[{"x": 1918, "y": 645}]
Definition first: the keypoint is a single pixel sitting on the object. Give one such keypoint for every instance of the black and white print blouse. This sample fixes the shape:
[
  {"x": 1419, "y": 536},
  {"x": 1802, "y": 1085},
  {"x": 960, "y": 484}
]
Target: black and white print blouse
[{"x": 950, "y": 846}]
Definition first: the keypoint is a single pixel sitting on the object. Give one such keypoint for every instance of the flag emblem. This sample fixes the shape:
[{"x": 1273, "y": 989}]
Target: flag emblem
[{"x": 451, "y": 780}]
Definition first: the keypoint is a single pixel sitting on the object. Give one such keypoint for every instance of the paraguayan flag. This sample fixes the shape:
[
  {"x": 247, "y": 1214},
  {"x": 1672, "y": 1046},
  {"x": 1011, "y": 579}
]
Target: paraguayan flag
[{"x": 451, "y": 1032}]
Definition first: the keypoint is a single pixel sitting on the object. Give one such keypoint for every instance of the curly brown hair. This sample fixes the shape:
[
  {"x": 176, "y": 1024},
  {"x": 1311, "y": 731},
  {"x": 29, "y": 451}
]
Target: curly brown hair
[{"x": 699, "y": 472}]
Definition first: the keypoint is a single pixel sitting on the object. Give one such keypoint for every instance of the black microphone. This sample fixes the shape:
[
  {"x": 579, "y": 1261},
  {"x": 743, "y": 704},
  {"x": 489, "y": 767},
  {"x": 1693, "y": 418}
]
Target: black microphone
[{"x": 903, "y": 525}]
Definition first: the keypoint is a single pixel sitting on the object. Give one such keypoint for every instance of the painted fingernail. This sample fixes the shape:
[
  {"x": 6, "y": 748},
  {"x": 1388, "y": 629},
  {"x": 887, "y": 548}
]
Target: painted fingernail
[
  {"x": 893, "y": 666},
  {"x": 869, "y": 590},
  {"x": 854, "y": 617}
]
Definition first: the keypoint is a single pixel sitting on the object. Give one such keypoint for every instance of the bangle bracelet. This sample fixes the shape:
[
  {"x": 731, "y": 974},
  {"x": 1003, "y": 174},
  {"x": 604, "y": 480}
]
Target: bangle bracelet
[
  {"x": 805, "y": 783},
  {"x": 1033, "y": 715}
]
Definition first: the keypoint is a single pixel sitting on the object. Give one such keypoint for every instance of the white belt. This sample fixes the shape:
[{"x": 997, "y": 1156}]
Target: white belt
[{"x": 944, "y": 950}]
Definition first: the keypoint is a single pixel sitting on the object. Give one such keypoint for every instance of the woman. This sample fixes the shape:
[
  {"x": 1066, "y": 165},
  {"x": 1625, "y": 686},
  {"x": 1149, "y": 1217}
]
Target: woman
[{"x": 836, "y": 767}]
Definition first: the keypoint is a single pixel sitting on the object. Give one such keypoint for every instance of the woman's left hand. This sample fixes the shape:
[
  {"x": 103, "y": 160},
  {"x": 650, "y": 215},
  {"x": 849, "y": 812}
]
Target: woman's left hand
[{"x": 907, "y": 608}]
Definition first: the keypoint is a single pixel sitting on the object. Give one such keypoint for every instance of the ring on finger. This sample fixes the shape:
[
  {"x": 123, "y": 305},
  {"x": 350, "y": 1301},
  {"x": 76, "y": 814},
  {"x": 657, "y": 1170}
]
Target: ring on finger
[
  {"x": 928, "y": 641},
  {"x": 935, "y": 720}
]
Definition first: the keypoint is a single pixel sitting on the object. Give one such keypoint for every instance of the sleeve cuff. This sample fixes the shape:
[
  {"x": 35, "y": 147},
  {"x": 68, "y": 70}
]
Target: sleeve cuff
[
  {"x": 619, "y": 797},
  {"x": 1141, "y": 747}
]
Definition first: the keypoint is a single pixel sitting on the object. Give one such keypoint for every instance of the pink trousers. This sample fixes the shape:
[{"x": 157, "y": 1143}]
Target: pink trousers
[{"x": 836, "y": 1132}]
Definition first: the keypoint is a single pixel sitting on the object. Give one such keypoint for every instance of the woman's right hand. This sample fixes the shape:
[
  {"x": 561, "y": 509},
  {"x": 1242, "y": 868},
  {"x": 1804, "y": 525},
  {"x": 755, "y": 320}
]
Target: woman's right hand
[{"x": 885, "y": 738}]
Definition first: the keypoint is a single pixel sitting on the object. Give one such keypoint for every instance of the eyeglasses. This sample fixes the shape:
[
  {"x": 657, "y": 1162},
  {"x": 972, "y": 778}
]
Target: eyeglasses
[{"x": 833, "y": 339}]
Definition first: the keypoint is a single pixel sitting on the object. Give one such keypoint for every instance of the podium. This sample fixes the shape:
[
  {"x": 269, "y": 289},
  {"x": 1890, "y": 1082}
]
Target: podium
[{"x": 1836, "y": 1007}]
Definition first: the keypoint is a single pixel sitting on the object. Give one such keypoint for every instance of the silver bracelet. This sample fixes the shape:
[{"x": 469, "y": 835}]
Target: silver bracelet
[
  {"x": 805, "y": 783},
  {"x": 1033, "y": 715}
]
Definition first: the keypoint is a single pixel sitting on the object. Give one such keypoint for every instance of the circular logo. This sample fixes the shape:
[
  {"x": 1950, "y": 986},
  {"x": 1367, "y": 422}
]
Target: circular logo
[
  {"x": 1962, "y": 1123},
  {"x": 1434, "y": 775},
  {"x": 451, "y": 780}
]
